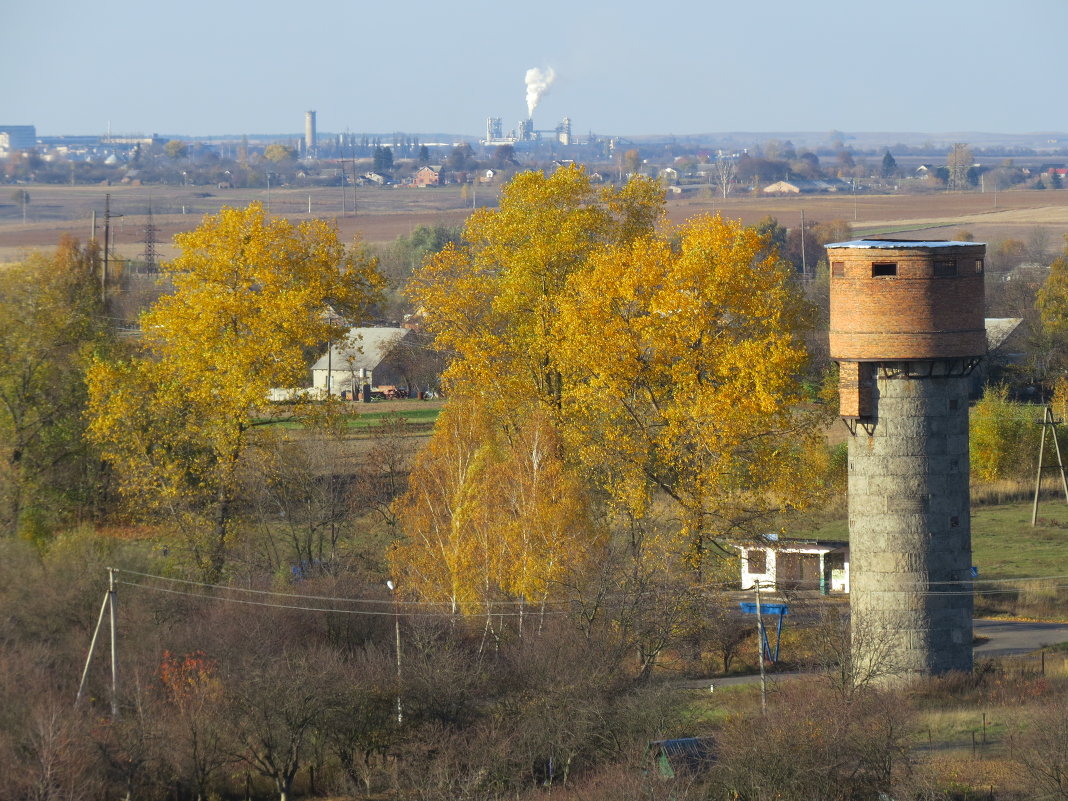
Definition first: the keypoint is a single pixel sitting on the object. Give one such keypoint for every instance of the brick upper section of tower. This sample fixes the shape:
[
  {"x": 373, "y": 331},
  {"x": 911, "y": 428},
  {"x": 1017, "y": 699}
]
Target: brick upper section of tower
[{"x": 897, "y": 300}]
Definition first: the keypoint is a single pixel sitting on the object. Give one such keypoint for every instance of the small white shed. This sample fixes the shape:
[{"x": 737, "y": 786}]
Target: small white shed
[{"x": 796, "y": 564}]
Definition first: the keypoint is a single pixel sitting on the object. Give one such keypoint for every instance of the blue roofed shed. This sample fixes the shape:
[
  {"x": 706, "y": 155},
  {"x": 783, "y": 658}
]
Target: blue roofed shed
[{"x": 681, "y": 756}]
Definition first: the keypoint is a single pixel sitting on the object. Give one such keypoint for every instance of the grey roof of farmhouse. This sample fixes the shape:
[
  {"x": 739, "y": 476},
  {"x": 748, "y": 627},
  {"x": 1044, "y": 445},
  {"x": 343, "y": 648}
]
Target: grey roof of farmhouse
[
  {"x": 363, "y": 348},
  {"x": 999, "y": 329}
]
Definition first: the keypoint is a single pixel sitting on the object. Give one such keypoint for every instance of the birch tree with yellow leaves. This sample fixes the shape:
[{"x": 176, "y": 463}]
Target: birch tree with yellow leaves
[
  {"x": 491, "y": 515},
  {"x": 252, "y": 295},
  {"x": 446, "y": 556}
]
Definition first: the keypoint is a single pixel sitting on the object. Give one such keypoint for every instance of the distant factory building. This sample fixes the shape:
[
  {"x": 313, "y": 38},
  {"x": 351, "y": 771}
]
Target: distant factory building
[
  {"x": 563, "y": 131},
  {"x": 15, "y": 138}
]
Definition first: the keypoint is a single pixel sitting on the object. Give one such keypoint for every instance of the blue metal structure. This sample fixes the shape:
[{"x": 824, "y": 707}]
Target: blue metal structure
[{"x": 781, "y": 610}]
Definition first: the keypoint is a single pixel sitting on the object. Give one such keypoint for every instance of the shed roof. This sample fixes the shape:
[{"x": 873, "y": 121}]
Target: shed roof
[{"x": 791, "y": 544}]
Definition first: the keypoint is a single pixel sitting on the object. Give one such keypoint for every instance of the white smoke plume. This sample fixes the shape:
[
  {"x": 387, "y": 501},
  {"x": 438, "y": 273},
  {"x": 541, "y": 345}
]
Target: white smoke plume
[{"x": 538, "y": 83}]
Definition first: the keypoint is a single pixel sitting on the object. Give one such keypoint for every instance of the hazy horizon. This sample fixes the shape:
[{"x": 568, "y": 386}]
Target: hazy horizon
[{"x": 676, "y": 68}]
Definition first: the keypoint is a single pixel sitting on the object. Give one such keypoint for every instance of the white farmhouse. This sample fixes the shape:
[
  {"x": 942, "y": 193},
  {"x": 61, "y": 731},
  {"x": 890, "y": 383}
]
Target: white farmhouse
[{"x": 361, "y": 359}]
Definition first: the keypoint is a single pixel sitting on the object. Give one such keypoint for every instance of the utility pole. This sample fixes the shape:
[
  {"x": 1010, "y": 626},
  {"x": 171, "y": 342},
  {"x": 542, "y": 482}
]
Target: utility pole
[
  {"x": 804, "y": 261},
  {"x": 1049, "y": 424},
  {"x": 114, "y": 661},
  {"x": 760, "y": 648},
  {"x": 92, "y": 646},
  {"x": 107, "y": 247},
  {"x": 108, "y": 605},
  {"x": 396, "y": 627}
]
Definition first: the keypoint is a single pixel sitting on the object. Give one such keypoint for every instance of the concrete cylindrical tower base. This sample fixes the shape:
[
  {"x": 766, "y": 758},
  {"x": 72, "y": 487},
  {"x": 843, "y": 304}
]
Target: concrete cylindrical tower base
[{"x": 910, "y": 528}]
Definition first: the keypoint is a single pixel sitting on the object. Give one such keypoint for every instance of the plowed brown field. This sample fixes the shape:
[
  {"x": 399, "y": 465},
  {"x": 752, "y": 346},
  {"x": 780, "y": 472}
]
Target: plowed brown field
[{"x": 384, "y": 214}]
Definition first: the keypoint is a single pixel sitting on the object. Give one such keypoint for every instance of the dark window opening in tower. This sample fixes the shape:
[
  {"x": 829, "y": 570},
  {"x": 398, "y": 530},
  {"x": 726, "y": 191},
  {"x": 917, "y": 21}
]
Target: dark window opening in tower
[
  {"x": 945, "y": 268},
  {"x": 883, "y": 270}
]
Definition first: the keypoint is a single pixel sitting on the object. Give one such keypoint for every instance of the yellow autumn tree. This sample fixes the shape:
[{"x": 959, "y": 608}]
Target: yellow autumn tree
[
  {"x": 663, "y": 367},
  {"x": 51, "y": 319},
  {"x": 494, "y": 301},
  {"x": 252, "y": 295},
  {"x": 445, "y": 557},
  {"x": 1003, "y": 436},
  {"x": 540, "y": 513},
  {"x": 492, "y": 514},
  {"x": 683, "y": 354},
  {"x": 515, "y": 520},
  {"x": 1050, "y": 341}
]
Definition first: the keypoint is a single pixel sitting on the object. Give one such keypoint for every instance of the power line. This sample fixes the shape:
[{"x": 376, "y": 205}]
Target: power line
[
  {"x": 300, "y": 608},
  {"x": 413, "y": 607},
  {"x": 333, "y": 598}
]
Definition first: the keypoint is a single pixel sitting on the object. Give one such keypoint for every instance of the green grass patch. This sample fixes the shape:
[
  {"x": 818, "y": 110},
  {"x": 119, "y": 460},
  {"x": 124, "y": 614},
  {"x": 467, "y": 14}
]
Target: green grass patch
[
  {"x": 365, "y": 419},
  {"x": 701, "y": 707},
  {"x": 421, "y": 418},
  {"x": 825, "y": 530},
  {"x": 1004, "y": 543}
]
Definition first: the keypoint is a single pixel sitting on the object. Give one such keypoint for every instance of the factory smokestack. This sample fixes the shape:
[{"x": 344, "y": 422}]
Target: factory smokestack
[{"x": 538, "y": 83}]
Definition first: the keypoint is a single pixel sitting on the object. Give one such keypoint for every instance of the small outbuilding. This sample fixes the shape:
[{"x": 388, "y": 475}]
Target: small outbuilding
[
  {"x": 683, "y": 756},
  {"x": 796, "y": 564}
]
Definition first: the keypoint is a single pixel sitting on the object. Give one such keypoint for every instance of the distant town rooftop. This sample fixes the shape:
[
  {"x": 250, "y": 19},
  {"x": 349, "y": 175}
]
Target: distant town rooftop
[{"x": 891, "y": 244}]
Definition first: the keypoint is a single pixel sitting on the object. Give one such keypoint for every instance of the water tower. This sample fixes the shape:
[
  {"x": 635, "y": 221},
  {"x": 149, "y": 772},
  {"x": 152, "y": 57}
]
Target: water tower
[{"x": 906, "y": 328}]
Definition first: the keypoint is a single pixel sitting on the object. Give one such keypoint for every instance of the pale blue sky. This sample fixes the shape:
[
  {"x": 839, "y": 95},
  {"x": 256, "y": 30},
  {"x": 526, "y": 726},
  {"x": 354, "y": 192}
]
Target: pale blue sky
[{"x": 671, "y": 66}]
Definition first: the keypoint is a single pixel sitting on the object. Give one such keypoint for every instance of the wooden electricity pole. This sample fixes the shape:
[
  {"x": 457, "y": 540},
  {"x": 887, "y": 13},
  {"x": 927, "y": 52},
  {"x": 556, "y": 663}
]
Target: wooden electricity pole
[
  {"x": 1049, "y": 423},
  {"x": 109, "y": 606},
  {"x": 760, "y": 648}
]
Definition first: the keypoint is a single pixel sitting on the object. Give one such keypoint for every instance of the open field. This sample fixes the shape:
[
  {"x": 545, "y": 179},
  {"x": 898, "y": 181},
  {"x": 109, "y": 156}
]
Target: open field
[
  {"x": 937, "y": 216},
  {"x": 1004, "y": 545},
  {"x": 381, "y": 214},
  {"x": 384, "y": 214}
]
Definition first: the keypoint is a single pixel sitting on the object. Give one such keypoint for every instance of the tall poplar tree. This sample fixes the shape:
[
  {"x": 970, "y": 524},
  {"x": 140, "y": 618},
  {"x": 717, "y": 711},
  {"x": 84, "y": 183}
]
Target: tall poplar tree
[{"x": 51, "y": 320}]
